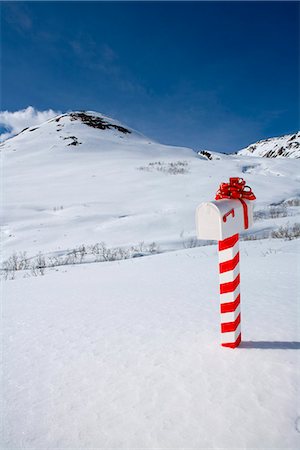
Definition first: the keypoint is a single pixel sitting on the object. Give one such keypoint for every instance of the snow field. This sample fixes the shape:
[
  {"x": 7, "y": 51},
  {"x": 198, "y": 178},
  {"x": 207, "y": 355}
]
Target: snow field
[{"x": 126, "y": 354}]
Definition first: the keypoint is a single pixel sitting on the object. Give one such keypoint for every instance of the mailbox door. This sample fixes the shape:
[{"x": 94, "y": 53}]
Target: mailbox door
[{"x": 208, "y": 221}]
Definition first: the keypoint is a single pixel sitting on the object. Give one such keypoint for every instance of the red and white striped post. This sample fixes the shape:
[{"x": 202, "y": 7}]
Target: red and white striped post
[
  {"x": 229, "y": 269},
  {"x": 222, "y": 220}
]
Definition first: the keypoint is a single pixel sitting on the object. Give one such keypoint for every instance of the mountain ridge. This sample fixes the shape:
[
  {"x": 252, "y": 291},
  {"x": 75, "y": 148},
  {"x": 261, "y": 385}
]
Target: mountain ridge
[{"x": 287, "y": 145}]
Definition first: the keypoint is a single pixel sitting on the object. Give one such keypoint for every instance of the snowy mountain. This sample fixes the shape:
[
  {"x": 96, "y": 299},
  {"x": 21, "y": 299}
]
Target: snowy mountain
[
  {"x": 125, "y": 353},
  {"x": 86, "y": 178},
  {"x": 87, "y": 124},
  {"x": 277, "y": 147}
]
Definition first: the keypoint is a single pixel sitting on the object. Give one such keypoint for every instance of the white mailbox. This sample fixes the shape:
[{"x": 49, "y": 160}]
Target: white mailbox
[{"x": 220, "y": 219}]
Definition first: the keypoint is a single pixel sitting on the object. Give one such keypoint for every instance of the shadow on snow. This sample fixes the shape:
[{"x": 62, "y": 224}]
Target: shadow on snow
[{"x": 277, "y": 345}]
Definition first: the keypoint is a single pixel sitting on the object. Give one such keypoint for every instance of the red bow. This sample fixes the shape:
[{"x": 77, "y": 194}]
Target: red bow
[{"x": 235, "y": 189}]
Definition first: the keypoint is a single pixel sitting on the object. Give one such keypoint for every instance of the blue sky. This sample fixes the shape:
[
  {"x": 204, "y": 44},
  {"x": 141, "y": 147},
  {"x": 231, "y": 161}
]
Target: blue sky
[{"x": 215, "y": 75}]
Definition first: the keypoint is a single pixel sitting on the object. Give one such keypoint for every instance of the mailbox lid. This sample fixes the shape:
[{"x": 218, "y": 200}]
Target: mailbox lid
[{"x": 221, "y": 219}]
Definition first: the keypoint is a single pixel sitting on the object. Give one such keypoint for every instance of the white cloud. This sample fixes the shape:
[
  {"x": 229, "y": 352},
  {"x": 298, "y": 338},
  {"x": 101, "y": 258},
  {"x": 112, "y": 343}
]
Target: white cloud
[{"x": 16, "y": 121}]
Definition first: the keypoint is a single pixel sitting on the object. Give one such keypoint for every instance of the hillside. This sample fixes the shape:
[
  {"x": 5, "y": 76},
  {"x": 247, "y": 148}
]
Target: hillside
[
  {"x": 81, "y": 179},
  {"x": 110, "y": 309},
  {"x": 277, "y": 147}
]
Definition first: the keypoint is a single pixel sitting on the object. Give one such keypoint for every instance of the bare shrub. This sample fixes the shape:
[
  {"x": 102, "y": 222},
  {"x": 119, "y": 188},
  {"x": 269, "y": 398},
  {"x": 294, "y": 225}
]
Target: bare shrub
[
  {"x": 173, "y": 168},
  {"x": 292, "y": 201},
  {"x": 153, "y": 248},
  {"x": 260, "y": 215},
  {"x": 8, "y": 270},
  {"x": 287, "y": 232},
  {"x": 54, "y": 261},
  {"x": 278, "y": 211},
  {"x": 179, "y": 167},
  {"x": 38, "y": 265},
  {"x": 272, "y": 212},
  {"x": 249, "y": 237},
  {"x": 98, "y": 252},
  {"x": 193, "y": 242},
  {"x": 95, "y": 249},
  {"x": 265, "y": 234},
  {"x": 82, "y": 252},
  {"x": 75, "y": 254},
  {"x": 17, "y": 261}
]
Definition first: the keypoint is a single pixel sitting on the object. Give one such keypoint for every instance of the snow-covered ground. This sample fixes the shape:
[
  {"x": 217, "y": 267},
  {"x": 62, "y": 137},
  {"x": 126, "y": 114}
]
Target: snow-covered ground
[{"x": 126, "y": 354}]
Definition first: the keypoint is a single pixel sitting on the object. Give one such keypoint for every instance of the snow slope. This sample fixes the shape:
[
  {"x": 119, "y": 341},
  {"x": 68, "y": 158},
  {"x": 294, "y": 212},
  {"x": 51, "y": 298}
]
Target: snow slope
[
  {"x": 126, "y": 355},
  {"x": 277, "y": 147},
  {"x": 116, "y": 187}
]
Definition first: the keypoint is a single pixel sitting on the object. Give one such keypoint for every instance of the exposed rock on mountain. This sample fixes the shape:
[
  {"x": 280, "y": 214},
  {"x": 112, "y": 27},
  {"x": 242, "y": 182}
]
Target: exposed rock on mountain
[{"x": 282, "y": 146}]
